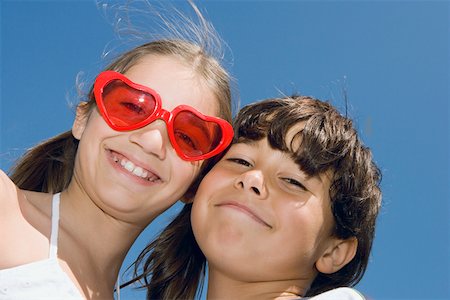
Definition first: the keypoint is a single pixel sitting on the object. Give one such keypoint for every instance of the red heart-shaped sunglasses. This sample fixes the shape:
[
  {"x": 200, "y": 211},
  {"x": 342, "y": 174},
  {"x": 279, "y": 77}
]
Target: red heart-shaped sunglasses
[{"x": 126, "y": 105}]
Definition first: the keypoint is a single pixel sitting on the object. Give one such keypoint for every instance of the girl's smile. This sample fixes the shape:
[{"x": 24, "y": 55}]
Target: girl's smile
[{"x": 139, "y": 172}]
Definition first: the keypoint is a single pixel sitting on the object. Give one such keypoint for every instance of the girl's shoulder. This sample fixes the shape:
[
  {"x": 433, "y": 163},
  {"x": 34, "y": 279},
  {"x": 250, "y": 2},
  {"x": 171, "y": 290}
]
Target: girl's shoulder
[
  {"x": 342, "y": 293},
  {"x": 4, "y": 178},
  {"x": 24, "y": 227},
  {"x": 8, "y": 190},
  {"x": 12, "y": 198}
]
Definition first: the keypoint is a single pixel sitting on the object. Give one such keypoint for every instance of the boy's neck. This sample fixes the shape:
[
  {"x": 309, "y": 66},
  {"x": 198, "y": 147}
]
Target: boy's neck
[{"x": 221, "y": 286}]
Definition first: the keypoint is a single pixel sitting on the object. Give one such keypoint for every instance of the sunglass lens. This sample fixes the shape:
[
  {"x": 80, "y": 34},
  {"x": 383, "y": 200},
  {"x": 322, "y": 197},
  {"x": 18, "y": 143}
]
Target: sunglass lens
[
  {"x": 126, "y": 106},
  {"x": 194, "y": 135}
]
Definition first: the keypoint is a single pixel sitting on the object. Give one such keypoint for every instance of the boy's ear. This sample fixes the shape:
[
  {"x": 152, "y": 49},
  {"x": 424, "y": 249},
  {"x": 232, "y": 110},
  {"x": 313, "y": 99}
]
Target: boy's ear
[
  {"x": 337, "y": 255},
  {"x": 80, "y": 120}
]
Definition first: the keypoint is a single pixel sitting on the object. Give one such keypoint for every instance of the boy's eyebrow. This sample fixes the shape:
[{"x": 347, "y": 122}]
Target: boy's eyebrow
[
  {"x": 251, "y": 143},
  {"x": 309, "y": 177}
]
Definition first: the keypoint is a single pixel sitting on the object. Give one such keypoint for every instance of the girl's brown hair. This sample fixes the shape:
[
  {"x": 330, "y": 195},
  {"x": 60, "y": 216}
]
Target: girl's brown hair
[
  {"x": 48, "y": 167},
  {"x": 172, "y": 266}
]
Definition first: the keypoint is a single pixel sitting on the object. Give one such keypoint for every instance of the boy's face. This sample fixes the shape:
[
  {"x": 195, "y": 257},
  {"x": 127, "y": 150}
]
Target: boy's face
[{"x": 258, "y": 217}]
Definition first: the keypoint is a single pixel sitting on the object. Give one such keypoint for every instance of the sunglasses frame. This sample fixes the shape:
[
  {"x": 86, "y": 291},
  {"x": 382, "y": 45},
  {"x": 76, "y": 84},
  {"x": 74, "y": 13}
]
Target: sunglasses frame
[{"x": 104, "y": 78}]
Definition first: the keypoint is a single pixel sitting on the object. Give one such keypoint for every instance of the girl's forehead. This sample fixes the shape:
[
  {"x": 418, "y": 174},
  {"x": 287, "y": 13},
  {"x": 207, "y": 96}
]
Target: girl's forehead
[
  {"x": 159, "y": 67},
  {"x": 175, "y": 81}
]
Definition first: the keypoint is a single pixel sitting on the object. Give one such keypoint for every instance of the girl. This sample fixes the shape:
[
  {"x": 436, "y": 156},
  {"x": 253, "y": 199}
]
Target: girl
[
  {"x": 289, "y": 212},
  {"x": 138, "y": 144}
]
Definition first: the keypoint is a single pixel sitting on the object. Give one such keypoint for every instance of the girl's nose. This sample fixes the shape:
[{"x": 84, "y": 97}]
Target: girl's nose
[
  {"x": 153, "y": 138},
  {"x": 252, "y": 182}
]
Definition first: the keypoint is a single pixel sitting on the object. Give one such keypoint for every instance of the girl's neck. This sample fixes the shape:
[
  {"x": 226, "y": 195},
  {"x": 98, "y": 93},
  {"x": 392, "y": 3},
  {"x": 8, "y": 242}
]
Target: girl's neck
[
  {"x": 221, "y": 286},
  {"x": 93, "y": 243}
]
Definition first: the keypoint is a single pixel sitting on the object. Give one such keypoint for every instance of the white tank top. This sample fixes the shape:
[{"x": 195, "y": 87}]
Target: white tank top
[
  {"x": 342, "y": 293},
  {"x": 42, "y": 279}
]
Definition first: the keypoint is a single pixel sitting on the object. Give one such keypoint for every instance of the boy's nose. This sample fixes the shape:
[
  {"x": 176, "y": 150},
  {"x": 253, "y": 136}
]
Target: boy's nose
[{"x": 252, "y": 182}]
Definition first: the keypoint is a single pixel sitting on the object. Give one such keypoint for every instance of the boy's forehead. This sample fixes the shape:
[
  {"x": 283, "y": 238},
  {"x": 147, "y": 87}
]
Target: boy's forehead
[{"x": 293, "y": 137}]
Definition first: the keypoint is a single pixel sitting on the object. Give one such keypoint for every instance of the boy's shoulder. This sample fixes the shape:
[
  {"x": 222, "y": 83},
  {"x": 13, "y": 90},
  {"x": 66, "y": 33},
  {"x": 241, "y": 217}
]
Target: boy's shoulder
[{"x": 342, "y": 293}]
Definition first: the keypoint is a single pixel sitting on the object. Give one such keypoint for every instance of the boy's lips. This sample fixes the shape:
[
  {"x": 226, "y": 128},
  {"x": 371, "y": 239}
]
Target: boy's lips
[
  {"x": 245, "y": 209},
  {"x": 134, "y": 167}
]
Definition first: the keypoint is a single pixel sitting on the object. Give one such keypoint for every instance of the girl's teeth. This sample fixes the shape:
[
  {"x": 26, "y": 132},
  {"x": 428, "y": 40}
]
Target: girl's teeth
[
  {"x": 130, "y": 167},
  {"x": 138, "y": 171}
]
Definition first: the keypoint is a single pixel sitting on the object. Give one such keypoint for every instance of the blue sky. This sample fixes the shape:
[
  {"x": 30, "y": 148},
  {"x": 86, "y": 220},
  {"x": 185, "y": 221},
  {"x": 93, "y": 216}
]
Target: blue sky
[{"x": 392, "y": 57}]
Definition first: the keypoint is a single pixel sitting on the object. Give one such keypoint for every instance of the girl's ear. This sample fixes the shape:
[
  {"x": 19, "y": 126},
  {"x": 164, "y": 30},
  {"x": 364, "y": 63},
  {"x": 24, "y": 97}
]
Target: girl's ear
[
  {"x": 186, "y": 201},
  {"x": 188, "y": 197},
  {"x": 80, "y": 120},
  {"x": 337, "y": 255}
]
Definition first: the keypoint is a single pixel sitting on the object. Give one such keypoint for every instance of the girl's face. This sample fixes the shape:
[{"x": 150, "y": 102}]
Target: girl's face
[
  {"x": 136, "y": 174},
  {"x": 258, "y": 217}
]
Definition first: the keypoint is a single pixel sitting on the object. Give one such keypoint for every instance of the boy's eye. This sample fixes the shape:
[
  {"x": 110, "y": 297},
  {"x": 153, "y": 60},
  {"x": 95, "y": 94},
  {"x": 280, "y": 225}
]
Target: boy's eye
[
  {"x": 295, "y": 183},
  {"x": 240, "y": 161}
]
